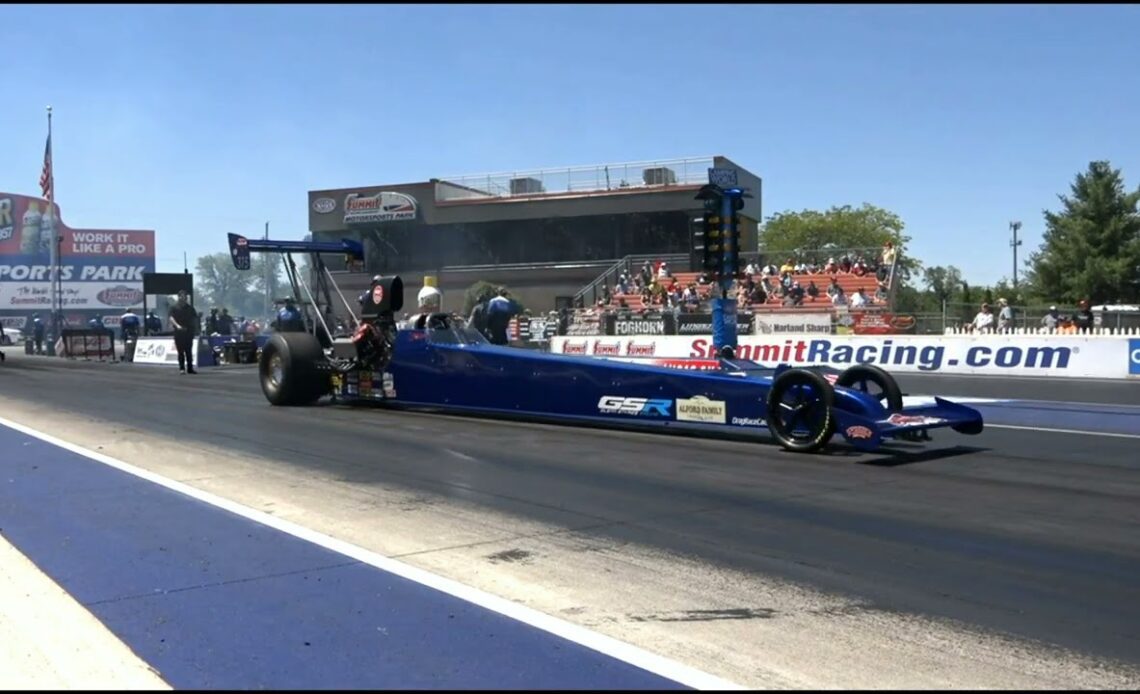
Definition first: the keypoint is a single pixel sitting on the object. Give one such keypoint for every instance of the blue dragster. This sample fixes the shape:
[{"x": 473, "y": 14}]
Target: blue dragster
[{"x": 436, "y": 362}]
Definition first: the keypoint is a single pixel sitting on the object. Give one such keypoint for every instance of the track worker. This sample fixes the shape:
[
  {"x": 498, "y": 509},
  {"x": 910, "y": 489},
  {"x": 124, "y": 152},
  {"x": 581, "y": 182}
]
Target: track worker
[{"x": 184, "y": 321}]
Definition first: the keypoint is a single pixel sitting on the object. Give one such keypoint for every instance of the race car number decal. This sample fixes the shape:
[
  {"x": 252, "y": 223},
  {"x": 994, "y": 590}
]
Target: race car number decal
[{"x": 613, "y": 404}]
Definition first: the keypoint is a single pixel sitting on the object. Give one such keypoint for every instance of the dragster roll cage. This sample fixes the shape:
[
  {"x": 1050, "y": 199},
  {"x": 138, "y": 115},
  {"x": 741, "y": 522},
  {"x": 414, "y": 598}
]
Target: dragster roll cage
[{"x": 325, "y": 285}]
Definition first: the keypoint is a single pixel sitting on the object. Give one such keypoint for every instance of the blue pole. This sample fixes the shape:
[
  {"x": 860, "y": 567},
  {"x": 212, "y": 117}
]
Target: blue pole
[{"x": 724, "y": 306}]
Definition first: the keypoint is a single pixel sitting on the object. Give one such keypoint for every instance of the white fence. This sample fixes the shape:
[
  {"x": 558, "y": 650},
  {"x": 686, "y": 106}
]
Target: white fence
[
  {"x": 1082, "y": 356},
  {"x": 1111, "y": 332}
]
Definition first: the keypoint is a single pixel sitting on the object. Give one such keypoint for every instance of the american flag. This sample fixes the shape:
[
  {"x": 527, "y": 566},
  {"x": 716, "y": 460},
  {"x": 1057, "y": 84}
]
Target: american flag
[{"x": 46, "y": 177}]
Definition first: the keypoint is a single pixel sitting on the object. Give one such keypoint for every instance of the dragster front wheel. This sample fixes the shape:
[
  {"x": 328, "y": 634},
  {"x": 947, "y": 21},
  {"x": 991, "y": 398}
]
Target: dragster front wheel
[
  {"x": 289, "y": 369},
  {"x": 800, "y": 413},
  {"x": 875, "y": 382}
]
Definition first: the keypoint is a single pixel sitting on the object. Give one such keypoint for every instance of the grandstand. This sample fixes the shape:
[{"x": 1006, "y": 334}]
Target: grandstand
[{"x": 605, "y": 292}]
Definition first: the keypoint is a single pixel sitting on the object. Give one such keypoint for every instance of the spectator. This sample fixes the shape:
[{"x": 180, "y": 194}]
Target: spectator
[
  {"x": 1083, "y": 318},
  {"x": 881, "y": 294},
  {"x": 757, "y": 295},
  {"x": 184, "y": 319},
  {"x": 984, "y": 321},
  {"x": 289, "y": 318},
  {"x": 788, "y": 267},
  {"x": 225, "y": 323},
  {"x": 834, "y": 290},
  {"x": 813, "y": 291},
  {"x": 37, "y": 329},
  {"x": 887, "y": 257},
  {"x": 1051, "y": 319},
  {"x": 797, "y": 293},
  {"x": 129, "y": 325},
  {"x": 858, "y": 299},
  {"x": 212, "y": 322},
  {"x": 500, "y": 309},
  {"x": 1005, "y": 316},
  {"x": 664, "y": 271},
  {"x": 751, "y": 269},
  {"x": 153, "y": 324},
  {"x": 832, "y": 267}
]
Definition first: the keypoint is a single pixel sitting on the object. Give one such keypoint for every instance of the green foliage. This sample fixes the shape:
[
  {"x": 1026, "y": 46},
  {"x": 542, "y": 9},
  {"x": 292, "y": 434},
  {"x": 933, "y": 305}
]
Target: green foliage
[
  {"x": 867, "y": 227},
  {"x": 943, "y": 282},
  {"x": 220, "y": 284},
  {"x": 1091, "y": 247}
]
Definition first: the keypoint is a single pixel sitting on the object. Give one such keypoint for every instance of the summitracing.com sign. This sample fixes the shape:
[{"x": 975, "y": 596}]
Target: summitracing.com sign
[{"x": 1092, "y": 357}]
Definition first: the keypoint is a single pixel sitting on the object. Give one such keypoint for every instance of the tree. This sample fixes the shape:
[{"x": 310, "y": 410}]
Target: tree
[
  {"x": 220, "y": 284},
  {"x": 1091, "y": 248},
  {"x": 942, "y": 282},
  {"x": 867, "y": 227}
]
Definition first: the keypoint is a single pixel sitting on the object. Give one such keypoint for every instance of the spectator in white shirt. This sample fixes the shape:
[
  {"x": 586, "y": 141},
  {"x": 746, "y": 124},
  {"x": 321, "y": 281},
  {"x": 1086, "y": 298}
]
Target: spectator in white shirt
[
  {"x": 984, "y": 321},
  {"x": 751, "y": 269},
  {"x": 1005, "y": 316},
  {"x": 858, "y": 299}
]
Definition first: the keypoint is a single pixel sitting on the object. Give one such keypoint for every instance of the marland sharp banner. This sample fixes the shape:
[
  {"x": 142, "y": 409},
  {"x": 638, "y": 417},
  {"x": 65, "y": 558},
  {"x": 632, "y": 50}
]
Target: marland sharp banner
[{"x": 101, "y": 269}]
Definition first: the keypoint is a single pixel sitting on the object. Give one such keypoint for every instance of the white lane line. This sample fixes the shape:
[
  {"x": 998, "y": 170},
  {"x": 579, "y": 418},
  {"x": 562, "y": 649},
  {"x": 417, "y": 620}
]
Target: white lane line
[
  {"x": 619, "y": 650},
  {"x": 462, "y": 456},
  {"x": 1064, "y": 431},
  {"x": 50, "y": 641},
  {"x": 928, "y": 400}
]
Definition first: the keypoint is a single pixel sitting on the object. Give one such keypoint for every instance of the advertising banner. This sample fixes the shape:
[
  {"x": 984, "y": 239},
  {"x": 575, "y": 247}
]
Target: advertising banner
[
  {"x": 377, "y": 208},
  {"x": 701, "y": 324},
  {"x": 808, "y": 323},
  {"x": 585, "y": 324},
  {"x": 872, "y": 323},
  {"x": 660, "y": 324},
  {"x": 998, "y": 355},
  {"x": 101, "y": 269}
]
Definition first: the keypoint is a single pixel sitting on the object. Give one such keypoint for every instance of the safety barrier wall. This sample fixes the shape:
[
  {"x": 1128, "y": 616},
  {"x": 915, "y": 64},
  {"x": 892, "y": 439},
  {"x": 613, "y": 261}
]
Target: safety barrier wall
[
  {"x": 86, "y": 344},
  {"x": 161, "y": 350},
  {"x": 1089, "y": 356}
]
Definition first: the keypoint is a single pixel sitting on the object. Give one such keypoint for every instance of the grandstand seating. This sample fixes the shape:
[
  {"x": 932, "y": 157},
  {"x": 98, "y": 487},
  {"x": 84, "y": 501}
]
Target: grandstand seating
[{"x": 849, "y": 282}]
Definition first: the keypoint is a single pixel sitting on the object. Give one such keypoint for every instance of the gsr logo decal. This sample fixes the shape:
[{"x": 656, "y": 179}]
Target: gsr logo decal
[{"x": 613, "y": 404}]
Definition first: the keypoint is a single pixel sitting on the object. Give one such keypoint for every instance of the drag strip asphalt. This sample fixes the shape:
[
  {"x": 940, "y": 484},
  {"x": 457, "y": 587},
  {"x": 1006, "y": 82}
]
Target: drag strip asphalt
[{"x": 1022, "y": 532}]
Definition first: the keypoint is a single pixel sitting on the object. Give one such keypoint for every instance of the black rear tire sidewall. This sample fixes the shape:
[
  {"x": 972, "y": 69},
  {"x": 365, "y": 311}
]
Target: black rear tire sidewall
[
  {"x": 878, "y": 376},
  {"x": 822, "y": 435},
  {"x": 302, "y": 379}
]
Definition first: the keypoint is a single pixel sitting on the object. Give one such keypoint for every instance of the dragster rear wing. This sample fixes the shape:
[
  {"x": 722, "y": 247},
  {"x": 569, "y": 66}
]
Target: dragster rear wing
[{"x": 241, "y": 247}]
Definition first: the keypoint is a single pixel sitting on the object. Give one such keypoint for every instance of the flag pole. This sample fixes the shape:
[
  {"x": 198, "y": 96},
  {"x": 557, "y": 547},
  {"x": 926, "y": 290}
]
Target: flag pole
[{"x": 57, "y": 282}]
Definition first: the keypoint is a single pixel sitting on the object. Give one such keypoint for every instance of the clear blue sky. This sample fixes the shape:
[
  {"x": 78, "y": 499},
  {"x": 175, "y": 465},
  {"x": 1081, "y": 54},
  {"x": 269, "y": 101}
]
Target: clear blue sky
[{"x": 199, "y": 120}]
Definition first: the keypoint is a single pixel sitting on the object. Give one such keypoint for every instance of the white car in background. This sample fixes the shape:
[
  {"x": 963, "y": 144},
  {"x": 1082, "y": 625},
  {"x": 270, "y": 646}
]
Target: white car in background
[{"x": 12, "y": 336}]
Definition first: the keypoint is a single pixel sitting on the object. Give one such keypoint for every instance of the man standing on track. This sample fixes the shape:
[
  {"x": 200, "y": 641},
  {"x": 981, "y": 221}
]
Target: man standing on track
[{"x": 184, "y": 320}]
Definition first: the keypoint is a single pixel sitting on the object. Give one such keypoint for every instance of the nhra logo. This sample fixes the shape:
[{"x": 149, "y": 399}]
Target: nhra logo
[
  {"x": 610, "y": 349},
  {"x": 574, "y": 347},
  {"x": 151, "y": 349},
  {"x": 120, "y": 295},
  {"x": 635, "y": 350}
]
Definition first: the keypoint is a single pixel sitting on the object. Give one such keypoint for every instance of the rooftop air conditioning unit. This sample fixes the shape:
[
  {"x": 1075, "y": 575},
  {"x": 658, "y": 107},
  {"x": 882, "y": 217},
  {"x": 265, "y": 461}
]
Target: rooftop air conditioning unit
[
  {"x": 659, "y": 176},
  {"x": 526, "y": 186}
]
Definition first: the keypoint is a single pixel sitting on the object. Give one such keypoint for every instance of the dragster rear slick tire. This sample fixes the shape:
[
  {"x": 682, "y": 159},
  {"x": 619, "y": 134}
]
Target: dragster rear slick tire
[
  {"x": 869, "y": 373},
  {"x": 812, "y": 400},
  {"x": 290, "y": 369}
]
